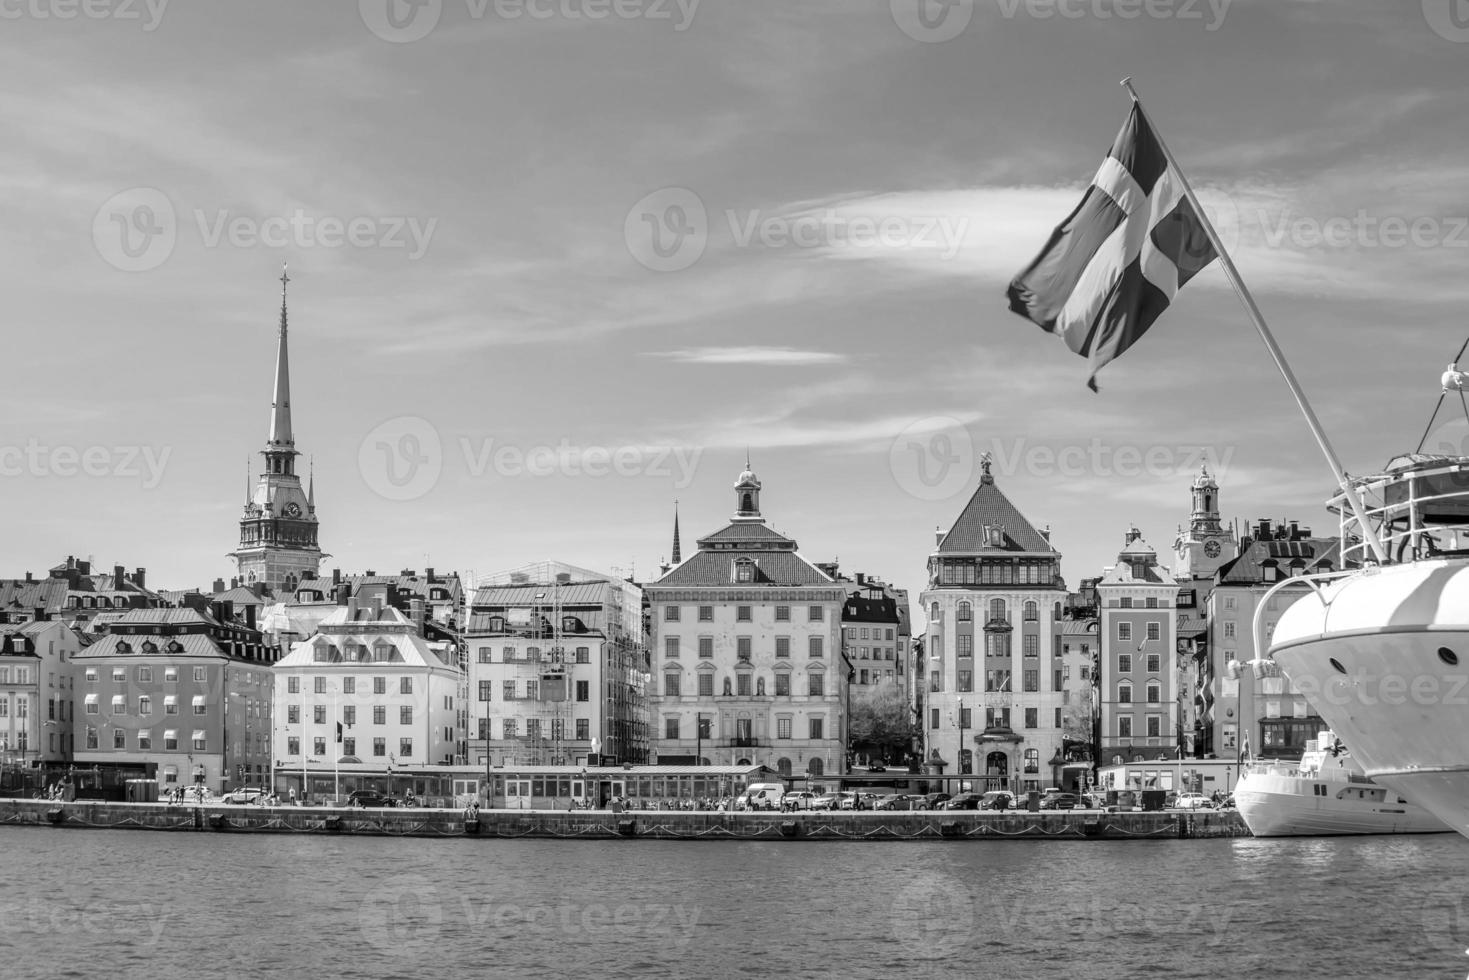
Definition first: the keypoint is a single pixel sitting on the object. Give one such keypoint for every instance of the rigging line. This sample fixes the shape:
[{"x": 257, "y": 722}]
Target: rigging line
[
  {"x": 1429, "y": 427},
  {"x": 1465, "y": 403}
]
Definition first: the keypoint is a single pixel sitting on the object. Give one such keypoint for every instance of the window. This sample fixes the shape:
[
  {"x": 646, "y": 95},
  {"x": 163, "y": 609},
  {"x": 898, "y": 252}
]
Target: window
[
  {"x": 706, "y": 648},
  {"x": 670, "y": 614},
  {"x": 349, "y": 685},
  {"x": 998, "y": 611},
  {"x": 706, "y": 614},
  {"x": 1229, "y": 629},
  {"x": 1127, "y": 602},
  {"x": 583, "y": 691},
  {"x": 933, "y": 718},
  {"x": 1155, "y": 631},
  {"x": 670, "y": 647},
  {"x": 782, "y": 646},
  {"x": 405, "y": 685},
  {"x": 782, "y": 728},
  {"x": 145, "y": 675},
  {"x": 817, "y": 727},
  {"x": 485, "y": 655},
  {"x": 349, "y": 745},
  {"x": 1031, "y": 646},
  {"x": 1032, "y": 718},
  {"x": 145, "y": 739},
  {"x": 1124, "y": 663},
  {"x": 742, "y": 647},
  {"x": 583, "y": 729},
  {"x": 199, "y": 706},
  {"x": 965, "y": 612},
  {"x": 486, "y": 689},
  {"x": 815, "y": 614},
  {"x": 91, "y": 676},
  {"x": 532, "y": 690},
  {"x": 319, "y": 685},
  {"x": 1124, "y": 631},
  {"x": 744, "y": 572},
  {"x": 1152, "y": 602},
  {"x": 706, "y": 685},
  {"x": 379, "y": 685},
  {"x": 1124, "y": 727},
  {"x": 964, "y": 680},
  {"x": 1154, "y": 694},
  {"x": 1032, "y": 612},
  {"x": 119, "y": 738},
  {"x": 742, "y": 614},
  {"x": 742, "y": 685},
  {"x": 1031, "y": 681},
  {"x": 817, "y": 685},
  {"x": 405, "y": 714},
  {"x": 201, "y": 675},
  {"x": 170, "y": 704},
  {"x": 782, "y": 685},
  {"x": 997, "y": 680},
  {"x": 670, "y": 728},
  {"x": 293, "y": 685},
  {"x": 1155, "y": 726},
  {"x": 349, "y": 716},
  {"x": 405, "y": 748},
  {"x": 318, "y": 714},
  {"x": 997, "y": 644},
  {"x": 171, "y": 676},
  {"x": 379, "y": 714},
  {"x": 583, "y": 655},
  {"x": 201, "y": 741},
  {"x": 293, "y": 714},
  {"x": 965, "y": 643},
  {"x": 119, "y": 674},
  {"x": 670, "y": 686},
  {"x": 815, "y": 644},
  {"x": 1153, "y": 663},
  {"x": 1124, "y": 694},
  {"x": 782, "y": 614},
  {"x": 1058, "y": 718}
]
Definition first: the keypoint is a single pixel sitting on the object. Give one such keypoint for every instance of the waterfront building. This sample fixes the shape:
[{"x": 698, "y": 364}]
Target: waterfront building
[
  {"x": 1256, "y": 697},
  {"x": 746, "y": 651},
  {"x": 278, "y": 529},
  {"x": 1139, "y": 683},
  {"x": 176, "y": 695},
  {"x": 1199, "y": 551},
  {"x": 37, "y": 658},
  {"x": 993, "y": 599},
  {"x": 1206, "y": 544},
  {"x": 875, "y": 632},
  {"x": 1075, "y": 650},
  {"x": 557, "y": 668},
  {"x": 367, "y": 691}
]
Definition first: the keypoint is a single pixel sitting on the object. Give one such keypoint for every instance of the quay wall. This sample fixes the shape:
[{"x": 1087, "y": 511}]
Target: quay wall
[{"x": 635, "y": 824}]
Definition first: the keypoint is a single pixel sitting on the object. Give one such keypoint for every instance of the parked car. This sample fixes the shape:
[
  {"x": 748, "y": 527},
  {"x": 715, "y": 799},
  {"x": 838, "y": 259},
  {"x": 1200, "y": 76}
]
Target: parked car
[
  {"x": 1194, "y": 801},
  {"x": 877, "y": 767},
  {"x": 802, "y": 800},
  {"x": 827, "y": 801},
  {"x": 370, "y": 798},
  {"x": 997, "y": 799},
  {"x": 869, "y": 800},
  {"x": 245, "y": 794},
  {"x": 1060, "y": 801},
  {"x": 935, "y": 801},
  {"x": 964, "y": 801},
  {"x": 761, "y": 796}
]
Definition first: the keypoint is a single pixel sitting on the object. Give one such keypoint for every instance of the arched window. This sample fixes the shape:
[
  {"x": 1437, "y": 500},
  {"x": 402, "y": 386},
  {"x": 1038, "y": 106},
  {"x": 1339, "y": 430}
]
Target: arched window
[
  {"x": 998, "y": 611},
  {"x": 1032, "y": 760},
  {"x": 933, "y": 613},
  {"x": 965, "y": 612},
  {"x": 815, "y": 768},
  {"x": 1032, "y": 612},
  {"x": 783, "y": 766}
]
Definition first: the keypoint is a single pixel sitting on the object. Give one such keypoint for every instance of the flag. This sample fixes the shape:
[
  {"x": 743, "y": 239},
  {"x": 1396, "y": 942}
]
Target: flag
[
  {"x": 1116, "y": 262},
  {"x": 339, "y": 731}
]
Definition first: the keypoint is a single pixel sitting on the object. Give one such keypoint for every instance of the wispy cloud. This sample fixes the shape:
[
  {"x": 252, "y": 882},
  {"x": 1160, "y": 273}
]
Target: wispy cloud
[{"x": 770, "y": 356}]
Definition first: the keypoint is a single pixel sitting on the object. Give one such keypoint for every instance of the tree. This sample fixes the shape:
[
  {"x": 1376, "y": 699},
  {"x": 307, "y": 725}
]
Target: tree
[{"x": 881, "y": 723}]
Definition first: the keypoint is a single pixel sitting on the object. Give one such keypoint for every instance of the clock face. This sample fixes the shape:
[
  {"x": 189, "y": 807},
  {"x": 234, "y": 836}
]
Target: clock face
[
  {"x": 294, "y": 510},
  {"x": 1211, "y": 548}
]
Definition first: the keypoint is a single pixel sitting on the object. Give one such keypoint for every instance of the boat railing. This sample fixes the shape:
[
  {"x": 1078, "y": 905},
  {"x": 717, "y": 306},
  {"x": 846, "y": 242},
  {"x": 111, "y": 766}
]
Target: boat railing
[{"x": 1418, "y": 510}]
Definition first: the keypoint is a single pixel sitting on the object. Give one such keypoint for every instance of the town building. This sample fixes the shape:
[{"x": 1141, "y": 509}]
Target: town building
[
  {"x": 1138, "y": 690},
  {"x": 1199, "y": 551},
  {"x": 1245, "y": 693},
  {"x": 367, "y": 691},
  {"x": 37, "y": 658},
  {"x": 558, "y": 669},
  {"x": 993, "y": 599},
  {"x": 175, "y": 695},
  {"x": 278, "y": 530},
  {"x": 746, "y": 651}
]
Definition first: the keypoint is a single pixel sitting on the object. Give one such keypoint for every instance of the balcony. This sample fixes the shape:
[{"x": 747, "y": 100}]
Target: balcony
[{"x": 743, "y": 742}]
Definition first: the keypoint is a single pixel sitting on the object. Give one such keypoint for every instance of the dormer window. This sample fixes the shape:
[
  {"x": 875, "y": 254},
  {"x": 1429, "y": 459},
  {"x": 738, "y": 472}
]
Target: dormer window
[
  {"x": 497, "y": 624},
  {"x": 744, "y": 570},
  {"x": 123, "y": 647},
  {"x": 149, "y": 646},
  {"x": 568, "y": 624}
]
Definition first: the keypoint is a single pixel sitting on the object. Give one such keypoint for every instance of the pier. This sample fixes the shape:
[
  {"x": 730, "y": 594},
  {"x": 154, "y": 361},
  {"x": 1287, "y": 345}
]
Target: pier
[{"x": 691, "y": 825}]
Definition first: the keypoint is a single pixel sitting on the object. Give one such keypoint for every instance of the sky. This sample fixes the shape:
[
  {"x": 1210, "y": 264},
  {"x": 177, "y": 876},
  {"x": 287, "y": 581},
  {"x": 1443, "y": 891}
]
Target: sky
[{"x": 557, "y": 264}]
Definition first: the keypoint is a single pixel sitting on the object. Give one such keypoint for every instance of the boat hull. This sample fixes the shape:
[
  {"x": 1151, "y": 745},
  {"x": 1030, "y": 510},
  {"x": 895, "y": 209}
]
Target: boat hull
[{"x": 1288, "y": 806}]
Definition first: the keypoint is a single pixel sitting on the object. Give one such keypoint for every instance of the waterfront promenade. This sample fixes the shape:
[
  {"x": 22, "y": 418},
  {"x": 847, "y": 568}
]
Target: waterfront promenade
[{"x": 936, "y": 825}]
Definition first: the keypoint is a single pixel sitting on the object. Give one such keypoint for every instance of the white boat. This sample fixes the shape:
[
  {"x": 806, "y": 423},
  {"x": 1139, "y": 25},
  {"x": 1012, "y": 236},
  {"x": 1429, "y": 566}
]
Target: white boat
[
  {"x": 1381, "y": 651},
  {"x": 1326, "y": 793}
]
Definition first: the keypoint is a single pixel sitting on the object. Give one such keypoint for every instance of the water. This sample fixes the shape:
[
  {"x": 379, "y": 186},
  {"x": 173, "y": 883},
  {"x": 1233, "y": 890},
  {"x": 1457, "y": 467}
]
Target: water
[{"x": 159, "y": 905}]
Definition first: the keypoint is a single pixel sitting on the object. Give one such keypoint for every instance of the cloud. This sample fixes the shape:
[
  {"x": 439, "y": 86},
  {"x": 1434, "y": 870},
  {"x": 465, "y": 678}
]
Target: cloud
[{"x": 769, "y": 356}]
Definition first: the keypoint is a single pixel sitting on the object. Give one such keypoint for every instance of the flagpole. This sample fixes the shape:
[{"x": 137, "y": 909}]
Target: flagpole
[{"x": 1275, "y": 353}]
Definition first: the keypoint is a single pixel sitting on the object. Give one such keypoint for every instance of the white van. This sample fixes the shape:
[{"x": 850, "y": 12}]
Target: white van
[{"x": 761, "y": 796}]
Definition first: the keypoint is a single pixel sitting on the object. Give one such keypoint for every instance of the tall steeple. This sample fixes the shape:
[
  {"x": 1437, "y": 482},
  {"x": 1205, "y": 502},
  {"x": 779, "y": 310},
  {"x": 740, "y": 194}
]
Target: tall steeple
[
  {"x": 280, "y": 408},
  {"x": 677, "y": 552}
]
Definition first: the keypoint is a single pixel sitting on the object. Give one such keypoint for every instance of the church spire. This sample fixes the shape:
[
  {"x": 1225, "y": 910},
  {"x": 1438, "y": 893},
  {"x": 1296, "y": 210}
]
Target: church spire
[
  {"x": 677, "y": 552},
  {"x": 281, "y": 436},
  {"x": 311, "y": 487}
]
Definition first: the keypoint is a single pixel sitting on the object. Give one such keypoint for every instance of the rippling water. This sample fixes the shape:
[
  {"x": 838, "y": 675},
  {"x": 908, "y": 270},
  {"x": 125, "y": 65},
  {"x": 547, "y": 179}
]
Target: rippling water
[{"x": 137, "y": 904}]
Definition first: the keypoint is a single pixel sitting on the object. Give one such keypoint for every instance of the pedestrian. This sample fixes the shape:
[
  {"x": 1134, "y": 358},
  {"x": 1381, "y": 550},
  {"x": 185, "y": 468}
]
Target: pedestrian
[{"x": 293, "y": 796}]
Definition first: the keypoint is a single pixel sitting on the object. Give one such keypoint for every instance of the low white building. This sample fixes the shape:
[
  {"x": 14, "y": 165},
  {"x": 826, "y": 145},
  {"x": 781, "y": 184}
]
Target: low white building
[{"x": 365, "y": 690}]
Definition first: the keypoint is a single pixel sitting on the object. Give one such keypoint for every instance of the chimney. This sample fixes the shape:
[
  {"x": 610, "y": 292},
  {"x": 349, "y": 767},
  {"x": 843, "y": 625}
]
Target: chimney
[
  {"x": 563, "y": 578},
  {"x": 416, "y": 612},
  {"x": 428, "y": 573},
  {"x": 250, "y": 616},
  {"x": 41, "y": 614},
  {"x": 218, "y": 585},
  {"x": 370, "y": 573},
  {"x": 140, "y": 576},
  {"x": 336, "y": 577},
  {"x": 1262, "y": 531},
  {"x": 341, "y": 593},
  {"x": 351, "y": 609},
  {"x": 84, "y": 568},
  {"x": 938, "y": 535}
]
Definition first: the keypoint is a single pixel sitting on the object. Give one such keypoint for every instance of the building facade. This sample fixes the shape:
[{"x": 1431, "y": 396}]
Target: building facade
[
  {"x": 278, "y": 530},
  {"x": 746, "y": 652},
  {"x": 37, "y": 661},
  {"x": 994, "y": 596},
  {"x": 1138, "y": 690},
  {"x": 558, "y": 669}
]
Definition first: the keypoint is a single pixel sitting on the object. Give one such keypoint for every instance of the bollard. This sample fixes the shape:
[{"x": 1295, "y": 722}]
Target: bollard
[
  {"x": 789, "y": 828},
  {"x": 56, "y": 814},
  {"x": 627, "y": 828}
]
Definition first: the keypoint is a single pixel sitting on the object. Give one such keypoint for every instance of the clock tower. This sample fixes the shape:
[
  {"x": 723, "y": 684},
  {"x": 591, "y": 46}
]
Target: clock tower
[
  {"x": 278, "y": 529},
  {"x": 1205, "y": 545}
]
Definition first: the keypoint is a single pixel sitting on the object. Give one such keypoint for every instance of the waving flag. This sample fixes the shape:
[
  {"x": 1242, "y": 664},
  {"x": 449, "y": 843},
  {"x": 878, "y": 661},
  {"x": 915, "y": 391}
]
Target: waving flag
[{"x": 1116, "y": 262}]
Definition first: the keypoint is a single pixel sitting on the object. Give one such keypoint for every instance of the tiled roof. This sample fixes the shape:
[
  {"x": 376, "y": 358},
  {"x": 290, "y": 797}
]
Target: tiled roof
[
  {"x": 49, "y": 594},
  {"x": 745, "y": 531},
  {"x": 1189, "y": 625},
  {"x": 240, "y": 597},
  {"x": 193, "y": 644},
  {"x": 1076, "y": 627},
  {"x": 989, "y": 506},
  {"x": 412, "y": 583},
  {"x": 170, "y": 617},
  {"x": 572, "y": 594},
  {"x": 1249, "y": 567},
  {"x": 715, "y": 568}
]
